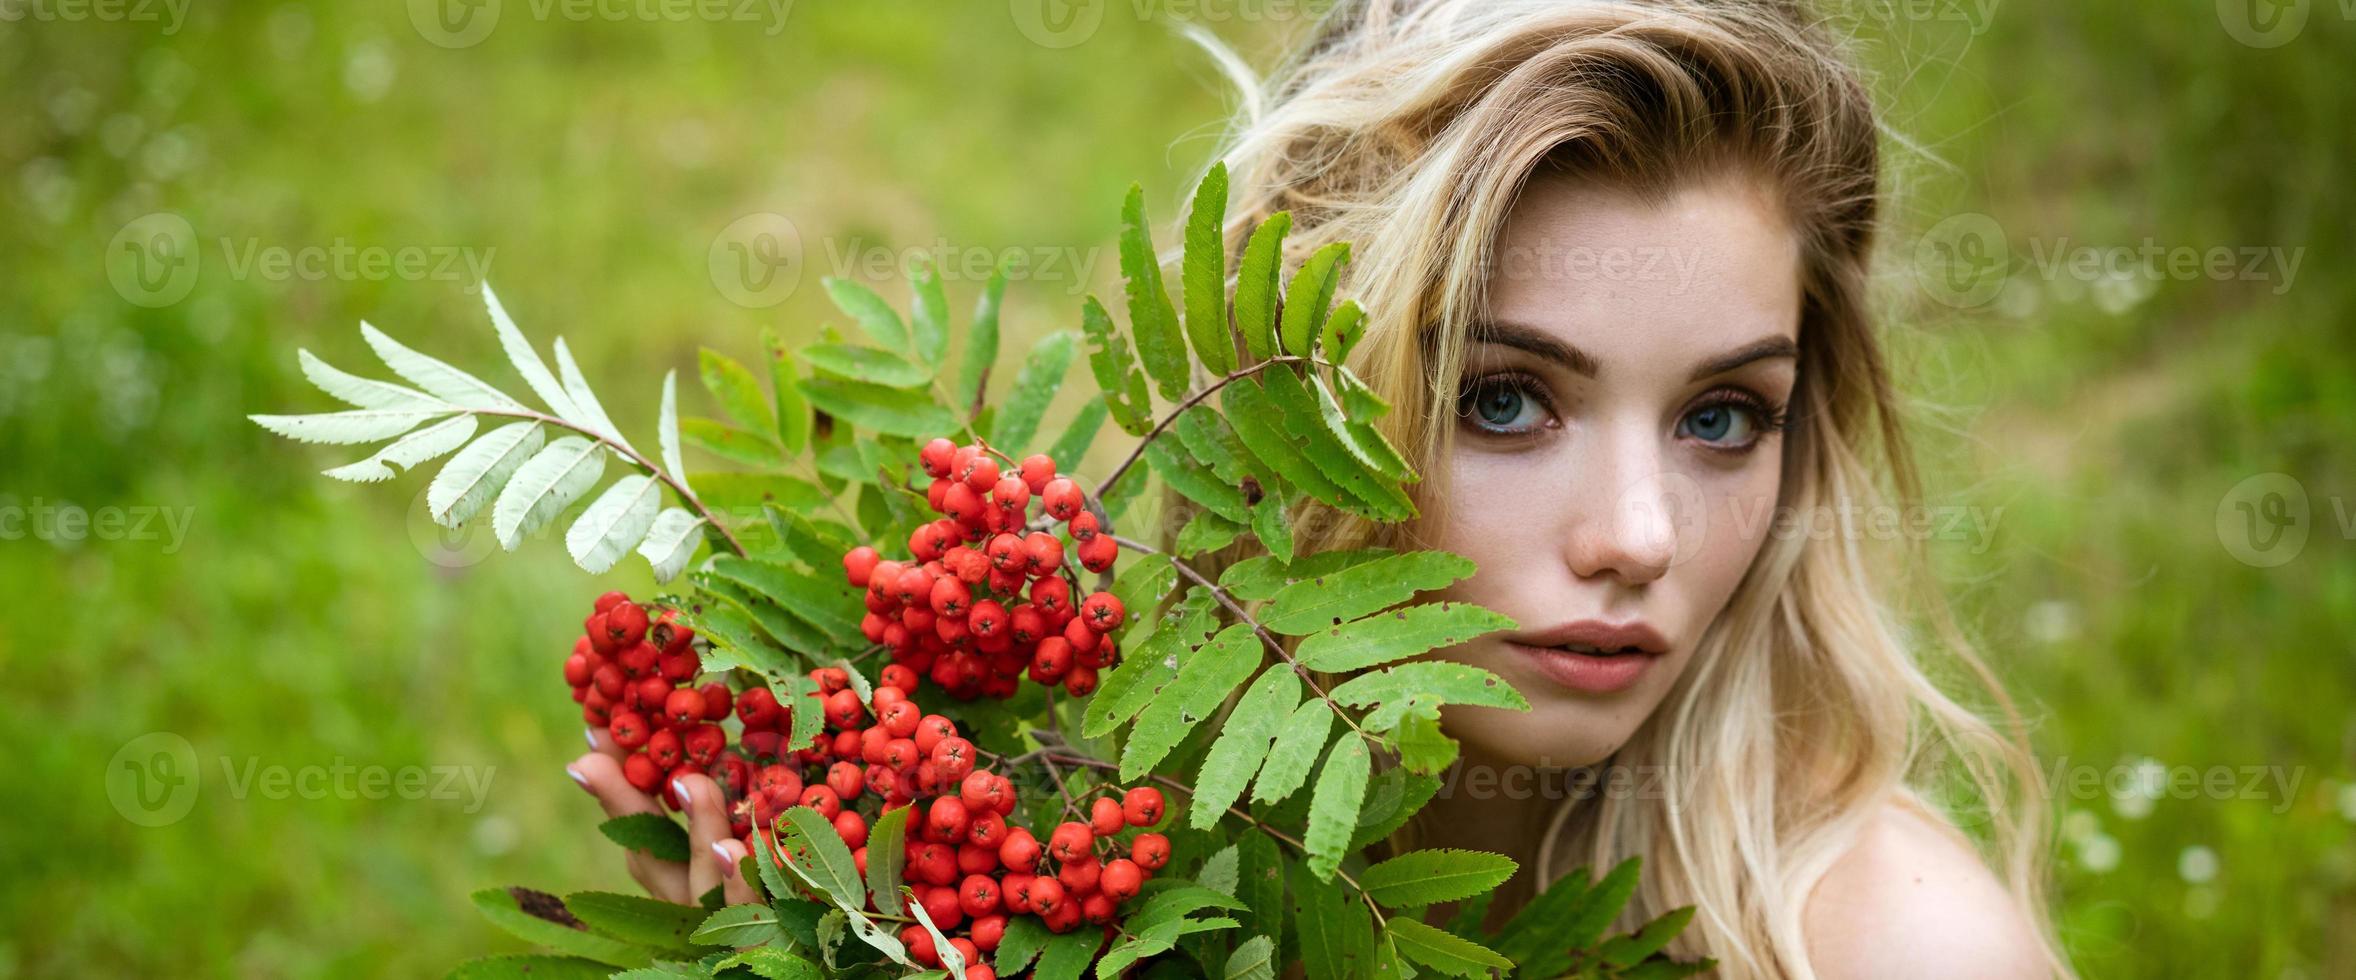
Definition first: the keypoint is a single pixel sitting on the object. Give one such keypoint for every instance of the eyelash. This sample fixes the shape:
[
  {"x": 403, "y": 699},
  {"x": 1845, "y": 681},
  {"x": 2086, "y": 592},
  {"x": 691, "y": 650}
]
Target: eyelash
[{"x": 1767, "y": 417}]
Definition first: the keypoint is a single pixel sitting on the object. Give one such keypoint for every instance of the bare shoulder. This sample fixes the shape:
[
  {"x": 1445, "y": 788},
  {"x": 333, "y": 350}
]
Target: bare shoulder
[{"x": 1911, "y": 898}]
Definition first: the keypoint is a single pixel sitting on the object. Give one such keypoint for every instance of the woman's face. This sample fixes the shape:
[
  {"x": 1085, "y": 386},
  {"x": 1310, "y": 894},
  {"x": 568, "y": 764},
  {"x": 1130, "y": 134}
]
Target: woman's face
[{"x": 1617, "y": 450}]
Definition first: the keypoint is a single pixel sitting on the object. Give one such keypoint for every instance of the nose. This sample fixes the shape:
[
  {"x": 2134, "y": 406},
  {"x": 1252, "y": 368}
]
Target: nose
[{"x": 1627, "y": 516}]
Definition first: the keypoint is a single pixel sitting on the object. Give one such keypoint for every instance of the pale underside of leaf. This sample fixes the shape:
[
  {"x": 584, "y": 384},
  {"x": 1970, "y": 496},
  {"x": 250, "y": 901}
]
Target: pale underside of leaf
[
  {"x": 615, "y": 522},
  {"x": 670, "y": 542},
  {"x": 364, "y": 392},
  {"x": 585, "y": 401},
  {"x": 348, "y": 428},
  {"x": 527, "y": 361},
  {"x": 443, "y": 381},
  {"x": 478, "y": 471},
  {"x": 412, "y": 449},
  {"x": 546, "y": 484}
]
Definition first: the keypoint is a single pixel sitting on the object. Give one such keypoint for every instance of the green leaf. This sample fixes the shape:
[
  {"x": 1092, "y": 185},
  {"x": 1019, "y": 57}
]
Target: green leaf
[
  {"x": 1072, "y": 447},
  {"x": 529, "y": 967},
  {"x": 747, "y": 492},
  {"x": 1195, "y": 481},
  {"x": 561, "y": 473},
  {"x": 636, "y": 918},
  {"x": 1342, "y": 331},
  {"x": 1274, "y": 529},
  {"x": 1333, "y": 808},
  {"x": 1421, "y": 687},
  {"x": 1025, "y": 937},
  {"x": 1429, "y": 877},
  {"x": 1263, "y": 576},
  {"x": 750, "y": 924},
  {"x": 1336, "y": 934},
  {"x": 884, "y": 863},
  {"x": 1298, "y": 744},
  {"x": 1321, "y": 602},
  {"x": 772, "y": 963},
  {"x": 729, "y": 443},
  {"x": 1260, "y": 884},
  {"x": 1206, "y": 273},
  {"x": 981, "y": 345},
  {"x": 1392, "y": 798},
  {"x": 1470, "y": 913},
  {"x": 1151, "y": 317},
  {"x": 1117, "y": 374},
  {"x": 409, "y": 451},
  {"x": 739, "y": 395},
  {"x": 1396, "y": 635},
  {"x": 1211, "y": 442},
  {"x": 824, "y": 861},
  {"x": 658, "y": 836},
  {"x": 873, "y": 315},
  {"x": 1042, "y": 375},
  {"x": 1259, "y": 423},
  {"x": 1631, "y": 949},
  {"x": 1366, "y": 492},
  {"x": 928, "y": 314},
  {"x": 505, "y": 907},
  {"x": 765, "y": 862},
  {"x": 1068, "y": 954},
  {"x": 867, "y": 364},
  {"x": 1310, "y": 296},
  {"x": 1243, "y": 743},
  {"x": 879, "y": 409},
  {"x": 952, "y": 961},
  {"x": 1253, "y": 959},
  {"x": 793, "y": 410},
  {"x": 1449, "y": 954},
  {"x": 1256, "y": 282},
  {"x": 1423, "y": 747},
  {"x": 1204, "y": 680}
]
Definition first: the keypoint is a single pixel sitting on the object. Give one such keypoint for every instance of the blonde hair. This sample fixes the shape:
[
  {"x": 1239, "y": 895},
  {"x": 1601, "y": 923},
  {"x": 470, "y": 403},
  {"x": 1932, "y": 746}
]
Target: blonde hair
[{"x": 1408, "y": 128}]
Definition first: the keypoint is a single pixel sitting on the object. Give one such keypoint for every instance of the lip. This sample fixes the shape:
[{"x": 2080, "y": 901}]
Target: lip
[{"x": 1592, "y": 673}]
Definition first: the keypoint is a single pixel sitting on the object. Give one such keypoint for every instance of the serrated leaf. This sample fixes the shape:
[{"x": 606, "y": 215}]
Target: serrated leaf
[
  {"x": 1273, "y": 527},
  {"x": 1148, "y": 666},
  {"x": 1117, "y": 374},
  {"x": 1336, "y": 933},
  {"x": 544, "y": 486},
  {"x": 726, "y": 492},
  {"x": 1206, "y": 273},
  {"x": 1042, "y": 376},
  {"x": 1259, "y": 425},
  {"x": 928, "y": 314},
  {"x": 1025, "y": 937},
  {"x": 879, "y": 409},
  {"x": 670, "y": 541},
  {"x": 1421, "y": 687},
  {"x": 614, "y": 523},
  {"x": 824, "y": 862},
  {"x": 527, "y": 360},
  {"x": 635, "y": 918},
  {"x": 1429, "y": 877},
  {"x": 410, "y": 450},
  {"x": 1309, "y": 297},
  {"x": 1449, "y": 954},
  {"x": 349, "y": 427},
  {"x": 576, "y": 387},
  {"x": 1324, "y": 601},
  {"x": 750, "y": 924},
  {"x": 1253, "y": 959},
  {"x": 772, "y": 963},
  {"x": 873, "y": 315},
  {"x": 952, "y": 961},
  {"x": 884, "y": 863},
  {"x": 1333, "y": 807},
  {"x": 1243, "y": 743},
  {"x": 1298, "y": 743},
  {"x": 503, "y": 907},
  {"x": 867, "y": 364},
  {"x": 775, "y": 879},
  {"x": 1367, "y": 493},
  {"x": 1396, "y": 635},
  {"x": 1652, "y": 937},
  {"x": 478, "y": 471},
  {"x": 730, "y": 443},
  {"x": 739, "y": 395},
  {"x": 660, "y": 837},
  {"x": 517, "y": 966},
  {"x": 1263, "y": 576},
  {"x": 667, "y": 428},
  {"x": 364, "y": 392},
  {"x": 836, "y": 609},
  {"x": 793, "y": 410},
  {"x": 1151, "y": 318},
  {"x": 1337, "y": 424},
  {"x": 1204, "y": 680},
  {"x": 437, "y": 378},
  {"x": 1393, "y": 797},
  {"x": 1067, "y": 955},
  {"x": 1210, "y": 441},
  {"x": 1260, "y": 884},
  {"x": 1423, "y": 747},
  {"x": 1342, "y": 331},
  {"x": 981, "y": 344},
  {"x": 1205, "y": 531},
  {"x": 1072, "y": 447},
  {"x": 1256, "y": 284},
  {"x": 1195, "y": 481}
]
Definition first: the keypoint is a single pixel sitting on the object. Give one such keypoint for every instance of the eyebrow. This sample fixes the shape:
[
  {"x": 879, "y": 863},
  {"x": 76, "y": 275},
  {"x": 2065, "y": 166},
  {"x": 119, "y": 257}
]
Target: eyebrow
[{"x": 1542, "y": 344}]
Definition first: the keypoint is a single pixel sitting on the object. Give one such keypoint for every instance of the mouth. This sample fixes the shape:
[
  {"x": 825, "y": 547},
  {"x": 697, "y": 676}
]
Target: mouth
[{"x": 1591, "y": 656}]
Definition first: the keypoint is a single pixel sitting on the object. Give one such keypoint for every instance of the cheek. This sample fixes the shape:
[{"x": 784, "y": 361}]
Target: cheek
[{"x": 1741, "y": 517}]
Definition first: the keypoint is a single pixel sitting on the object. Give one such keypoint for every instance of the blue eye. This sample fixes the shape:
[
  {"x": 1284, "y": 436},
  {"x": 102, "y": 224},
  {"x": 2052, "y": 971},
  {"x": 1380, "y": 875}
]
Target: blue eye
[
  {"x": 1727, "y": 423},
  {"x": 1501, "y": 405}
]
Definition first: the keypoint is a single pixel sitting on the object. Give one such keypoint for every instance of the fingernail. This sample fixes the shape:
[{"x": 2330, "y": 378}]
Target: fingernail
[
  {"x": 589, "y": 735},
  {"x": 679, "y": 786},
  {"x": 577, "y": 777},
  {"x": 727, "y": 863}
]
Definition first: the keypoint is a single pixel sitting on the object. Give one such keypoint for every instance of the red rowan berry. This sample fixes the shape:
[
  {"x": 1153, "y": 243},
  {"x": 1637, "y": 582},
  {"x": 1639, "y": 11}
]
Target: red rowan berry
[
  {"x": 1142, "y": 806},
  {"x": 987, "y": 930},
  {"x": 1079, "y": 876},
  {"x": 955, "y": 757},
  {"x": 1081, "y": 682},
  {"x": 843, "y": 709},
  {"x": 1042, "y": 553},
  {"x": 704, "y": 743},
  {"x": 859, "y": 565},
  {"x": 1010, "y": 493},
  {"x": 935, "y": 456},
  {"x": 967, "y": 952},
  {"x": 961, "y": 503},
  {"x": 974, "y": 859},
  {"x": 920, "y": 945},
  {"x": 610, "y": 599},
  {"x": 1105, "y": 817},
  {"x": 1099, "y": 553},
  {"x": 650, "y": 695},
  {"x": 820, "y": 797},
  {"x": 629, "y": 729},
  {"x": 1121, "y": 879},
  {"x": 851, "y": 827},
  {"x": 1071, "y": 841},
  {"x": 940, "y": 902},
  {"x": 1037, "y": 469},
  {"x": 1102, "y": 612},
  {"x": 642, "y": 772},
  {"x": 639, "y": 657},
  {"x": 625, "y": 624},
  {"x": 577, "y": 669},
  {"x": 1062, "y": 498},
  {"x": 1044, "y": 895},
  {"x": 987, "y": 619},
  {"x": 932, "y": 863},
  {"x": 1099, "y": 909},
  {"x": 665, "y": 748},
  {"x": 930, "y": 730},
  {"x": 682, "y": 707},
  {"x": 1084, "y": 527},
  {"x": 978, "y": 895},
  {"x": 1150, "y": 851},
  {"x": 846, "y": 779},
  {"x": 981, "y": 473},
  {"x": 985, "y": 829},
  {"x": 715, "y": 701},
  {"x": 1020, "y": 851},
  {"x": 946, "y": 819},
  {"x": 678, "y": 665}
]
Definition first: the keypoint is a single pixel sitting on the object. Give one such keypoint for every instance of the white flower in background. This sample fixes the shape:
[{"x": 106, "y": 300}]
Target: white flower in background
[
  {"x": 2098, "y": 853},
  {"x": 2144, "y": 785},
  {"x": 2052, "y": 621},
  {"x": 2079, "y": 825},
  {"x": 2197, "y": 864},
  {"x": 2347, "y": 800}
]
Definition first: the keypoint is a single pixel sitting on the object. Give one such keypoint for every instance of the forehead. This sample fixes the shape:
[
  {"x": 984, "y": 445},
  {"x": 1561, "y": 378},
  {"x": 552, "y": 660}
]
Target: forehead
[{"x": 1697, "y": 268}]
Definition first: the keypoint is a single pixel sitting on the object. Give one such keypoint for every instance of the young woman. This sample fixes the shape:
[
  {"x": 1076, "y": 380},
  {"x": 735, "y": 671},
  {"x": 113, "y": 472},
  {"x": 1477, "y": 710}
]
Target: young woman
[{"x": 1615, "y": 257}]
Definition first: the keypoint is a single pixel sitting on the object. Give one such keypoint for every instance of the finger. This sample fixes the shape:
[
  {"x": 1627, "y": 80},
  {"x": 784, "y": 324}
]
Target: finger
[
  {"x": 731, "y": 854},
  {"x": 707, "y": 824},
  {"x": 602, "y": 777},
  {"x": 601, "y": 740}
]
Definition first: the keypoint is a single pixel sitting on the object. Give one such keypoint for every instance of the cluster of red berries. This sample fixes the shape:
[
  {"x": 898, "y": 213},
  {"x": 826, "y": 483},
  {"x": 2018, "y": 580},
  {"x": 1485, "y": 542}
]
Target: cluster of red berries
[
  {"x": 984, "y": 601},
  {"x": 967, "y": 865}
]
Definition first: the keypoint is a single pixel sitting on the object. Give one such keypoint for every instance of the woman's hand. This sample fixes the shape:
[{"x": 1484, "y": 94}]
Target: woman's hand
[{"x": 712, "y": 854}]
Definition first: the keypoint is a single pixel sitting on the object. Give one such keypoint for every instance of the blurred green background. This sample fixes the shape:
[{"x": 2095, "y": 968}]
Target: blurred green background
[{"x": 2107, "y": 425}]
